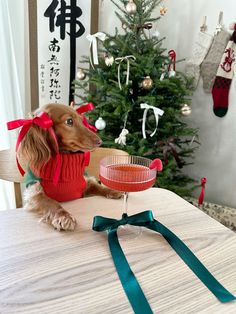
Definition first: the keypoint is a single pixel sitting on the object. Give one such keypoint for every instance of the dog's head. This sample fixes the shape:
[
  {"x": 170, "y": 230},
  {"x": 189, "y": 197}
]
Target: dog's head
[{"x": 38, "y": 145}]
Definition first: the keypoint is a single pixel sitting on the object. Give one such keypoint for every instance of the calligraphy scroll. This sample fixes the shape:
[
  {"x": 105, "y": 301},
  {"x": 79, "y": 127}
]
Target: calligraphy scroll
[{"x": 62, "y": 29}]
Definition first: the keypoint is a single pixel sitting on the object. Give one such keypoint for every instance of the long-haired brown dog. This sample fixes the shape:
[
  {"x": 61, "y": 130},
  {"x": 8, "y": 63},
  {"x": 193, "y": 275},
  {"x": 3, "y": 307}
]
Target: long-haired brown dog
[{"x": 38, "y": 148}]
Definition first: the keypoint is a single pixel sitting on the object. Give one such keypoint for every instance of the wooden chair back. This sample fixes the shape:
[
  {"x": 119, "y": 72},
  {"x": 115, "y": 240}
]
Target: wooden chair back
[
  {"x": 97, "y": 155},
  {"x": 9, "y": 172}
]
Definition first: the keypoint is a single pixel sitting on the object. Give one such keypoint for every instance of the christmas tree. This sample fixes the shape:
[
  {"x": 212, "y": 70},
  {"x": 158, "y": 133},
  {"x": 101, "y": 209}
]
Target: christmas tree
[{"x": 140, "y": 96}]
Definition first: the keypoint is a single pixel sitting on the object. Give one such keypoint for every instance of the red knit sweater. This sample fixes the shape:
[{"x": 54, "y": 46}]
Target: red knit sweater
[{"x": 71, "y": 184}]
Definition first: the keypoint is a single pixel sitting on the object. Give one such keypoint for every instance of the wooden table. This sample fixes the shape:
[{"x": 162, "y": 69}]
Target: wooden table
[{"x": 45, "y": 271}]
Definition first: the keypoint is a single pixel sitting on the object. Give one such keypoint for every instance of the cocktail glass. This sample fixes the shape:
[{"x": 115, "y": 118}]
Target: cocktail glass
[{"x": 127, "y": 173}]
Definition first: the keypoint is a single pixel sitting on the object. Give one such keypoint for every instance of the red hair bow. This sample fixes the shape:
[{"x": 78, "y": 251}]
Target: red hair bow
[
  {"x": 43, "y": 121},
  {"x": 81, "y": 110}
]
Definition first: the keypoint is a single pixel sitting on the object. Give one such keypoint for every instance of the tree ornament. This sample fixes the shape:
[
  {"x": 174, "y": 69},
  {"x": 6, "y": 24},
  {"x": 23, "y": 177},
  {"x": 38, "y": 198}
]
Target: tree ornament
[
  {"x": 93, "y": 38},
  {"x": 80, "y": 74},
  {"x": 156, "y": 34},
  {"x": 100, "y": 124},
  {"x": 157, "y": 112},
  {"x": 124, "y": 26},
  {"x": 171, "y": 73},
  {"x": 169, "y": 147},
  {"x": 163, "y": 10},
  {"x": 162, "y": 76},
  {"x": 119, "y": 61},
  {"x": 147, "y": 83},
  {"x": 131, "y": 7},
  {"x": 122, "y": 137},
  {"x": 171, "y": 67},
  {"x": 109, "y": 60},
  {"x": 186, "y": 110}
]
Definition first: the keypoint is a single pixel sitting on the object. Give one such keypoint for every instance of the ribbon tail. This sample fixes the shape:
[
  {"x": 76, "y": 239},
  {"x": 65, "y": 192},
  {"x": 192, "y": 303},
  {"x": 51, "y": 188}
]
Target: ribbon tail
[
  {"x": 118, "y": 74},
  {"x": 193, "y": 263},
  {"x": 144, "y": 122},
  {"x": 157, "y": 119},
  {"x": 95, "y": 51},
  {"x": 128, "y": 280},
  {"x": 201, "y": 196},
  {"x": 90, "y": 56},
  {"x": 21, "y": 135},
  {"x": 127, "y": 74}
]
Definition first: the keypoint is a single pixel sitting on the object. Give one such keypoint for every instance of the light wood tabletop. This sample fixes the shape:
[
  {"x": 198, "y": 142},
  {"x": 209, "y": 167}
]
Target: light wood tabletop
[{"x": 45, "y": 271}]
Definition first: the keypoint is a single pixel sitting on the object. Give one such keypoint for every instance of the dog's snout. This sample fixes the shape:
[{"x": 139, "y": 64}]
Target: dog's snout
[{"x": 99, "y": 142}]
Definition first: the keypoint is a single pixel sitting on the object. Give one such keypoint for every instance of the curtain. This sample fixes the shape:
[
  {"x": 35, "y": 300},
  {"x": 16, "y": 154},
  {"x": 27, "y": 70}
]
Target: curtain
[{"x": 12, "y": 80}]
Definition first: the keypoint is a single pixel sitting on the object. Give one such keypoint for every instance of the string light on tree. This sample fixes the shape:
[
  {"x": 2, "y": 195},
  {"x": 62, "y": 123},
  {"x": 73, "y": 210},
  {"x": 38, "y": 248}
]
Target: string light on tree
[
  {"x": 186, "y": 110},
  {"x": 100, "y": 124},
  {"x": 131, "y": 7},
  {"x": 147, "y": 83},
  {"x": 80, "y": 74}
]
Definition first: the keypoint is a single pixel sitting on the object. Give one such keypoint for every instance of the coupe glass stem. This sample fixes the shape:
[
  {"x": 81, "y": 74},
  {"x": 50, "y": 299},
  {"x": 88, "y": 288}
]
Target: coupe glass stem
[{"x": 125, "y": 209}]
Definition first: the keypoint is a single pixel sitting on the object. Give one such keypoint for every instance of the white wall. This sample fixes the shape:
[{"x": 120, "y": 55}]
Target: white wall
[{"x": 216, "y": 158}]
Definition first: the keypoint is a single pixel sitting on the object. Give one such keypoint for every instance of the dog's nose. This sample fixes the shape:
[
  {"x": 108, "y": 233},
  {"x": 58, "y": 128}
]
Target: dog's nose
[{"x": 99, "y": 142}]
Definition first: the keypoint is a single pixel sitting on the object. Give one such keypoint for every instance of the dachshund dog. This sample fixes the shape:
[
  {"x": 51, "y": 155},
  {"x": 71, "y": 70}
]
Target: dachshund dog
[{"x": 70, "y": 140}]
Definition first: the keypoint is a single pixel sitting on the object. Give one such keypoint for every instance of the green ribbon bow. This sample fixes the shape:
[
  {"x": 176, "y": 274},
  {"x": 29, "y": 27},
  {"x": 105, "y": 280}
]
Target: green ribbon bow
[{"x": 128, "y": 280}]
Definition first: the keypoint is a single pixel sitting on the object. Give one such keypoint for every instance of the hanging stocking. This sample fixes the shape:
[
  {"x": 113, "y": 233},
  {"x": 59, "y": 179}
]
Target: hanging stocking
[
  {"x": 220, "y": 90},
  {"x": 211, "y": 62},
  {"x": 201, "y": 48}
]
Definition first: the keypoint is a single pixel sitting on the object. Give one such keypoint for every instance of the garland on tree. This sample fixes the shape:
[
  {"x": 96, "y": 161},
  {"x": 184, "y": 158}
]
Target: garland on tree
[{"x": 134, "y": 69}]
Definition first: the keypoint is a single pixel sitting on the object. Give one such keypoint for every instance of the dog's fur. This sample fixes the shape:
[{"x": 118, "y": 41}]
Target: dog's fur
[{"x": 38, "y": 146}]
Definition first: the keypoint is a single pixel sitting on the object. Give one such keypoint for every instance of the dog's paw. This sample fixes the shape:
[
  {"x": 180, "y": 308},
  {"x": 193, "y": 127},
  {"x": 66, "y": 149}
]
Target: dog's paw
[
  {"x": 114, "y": 194},
  {"x": 63, "y": 221}
]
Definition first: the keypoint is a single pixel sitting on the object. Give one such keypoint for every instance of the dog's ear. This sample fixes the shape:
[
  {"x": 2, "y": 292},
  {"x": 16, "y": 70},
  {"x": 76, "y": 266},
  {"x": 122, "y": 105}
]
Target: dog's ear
[{"x": 37, "y": 147}]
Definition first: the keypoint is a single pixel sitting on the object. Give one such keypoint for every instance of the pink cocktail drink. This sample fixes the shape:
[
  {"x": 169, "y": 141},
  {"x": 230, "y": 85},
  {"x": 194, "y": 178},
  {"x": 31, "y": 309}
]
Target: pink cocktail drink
[
  {"x": 128, "y": 177},
  {"x": 127, "y": 173}
]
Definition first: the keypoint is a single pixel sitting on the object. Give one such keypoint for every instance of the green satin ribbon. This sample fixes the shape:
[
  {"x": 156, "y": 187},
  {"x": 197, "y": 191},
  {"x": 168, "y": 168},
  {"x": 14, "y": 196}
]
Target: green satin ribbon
[{"x": 129, "y": 282}]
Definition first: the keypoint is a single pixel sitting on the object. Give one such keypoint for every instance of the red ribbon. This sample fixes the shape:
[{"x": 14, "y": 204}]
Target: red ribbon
[
  {"x": 172, "y": 56},
  {"x": 201, "y": 196},
  {"x": 43, "y": 121},
  {"x": 81, "y": 110}
]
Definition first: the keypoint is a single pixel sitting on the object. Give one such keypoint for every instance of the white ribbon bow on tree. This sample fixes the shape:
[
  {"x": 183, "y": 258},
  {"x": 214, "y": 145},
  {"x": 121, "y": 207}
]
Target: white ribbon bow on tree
[
  {"x": 93, "y": 43},
  {"x": 119, "y": 61},
  {"x": 157, "y": 112}
]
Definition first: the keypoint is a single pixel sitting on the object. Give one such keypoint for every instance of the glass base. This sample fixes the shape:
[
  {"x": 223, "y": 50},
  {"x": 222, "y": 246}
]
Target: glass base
[{"x": 129, "y": 232}]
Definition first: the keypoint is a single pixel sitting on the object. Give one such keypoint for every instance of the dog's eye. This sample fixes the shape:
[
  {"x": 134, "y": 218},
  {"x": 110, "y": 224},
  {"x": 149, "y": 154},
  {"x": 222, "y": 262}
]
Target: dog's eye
[{"x": 69, "y": 122}]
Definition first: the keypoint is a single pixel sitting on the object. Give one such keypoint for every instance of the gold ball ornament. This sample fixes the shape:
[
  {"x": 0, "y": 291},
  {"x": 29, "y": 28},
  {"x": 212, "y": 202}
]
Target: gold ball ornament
[
  {"x": 163, "y": 10},
  {"x": 80, "y": 74},
  {"x": 147, "y": 83},
  {"x": 131, "y": 7},
  {"x": 186, "y": 110}
]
